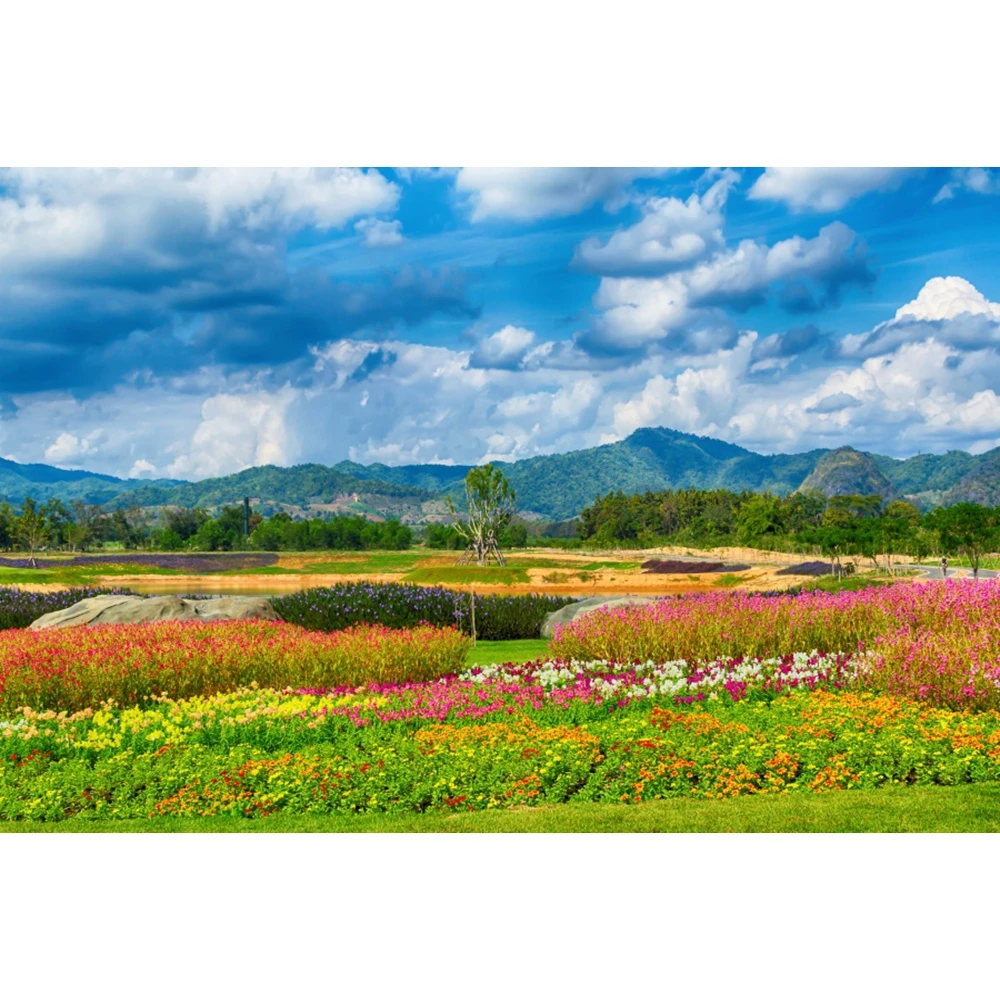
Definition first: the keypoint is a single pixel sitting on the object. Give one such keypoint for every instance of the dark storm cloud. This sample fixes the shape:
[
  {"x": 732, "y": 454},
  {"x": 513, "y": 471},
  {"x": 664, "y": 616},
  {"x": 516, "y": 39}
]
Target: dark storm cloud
[{"x": 317, "y": 310}]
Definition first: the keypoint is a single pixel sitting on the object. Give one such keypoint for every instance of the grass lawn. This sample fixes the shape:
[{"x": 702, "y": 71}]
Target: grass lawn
[
  {"x": 917, "y": 809},
  {"x": 509, "y": 651},
  {"x": 365, "y": 562},
  {"x": 505, "y": 575}
]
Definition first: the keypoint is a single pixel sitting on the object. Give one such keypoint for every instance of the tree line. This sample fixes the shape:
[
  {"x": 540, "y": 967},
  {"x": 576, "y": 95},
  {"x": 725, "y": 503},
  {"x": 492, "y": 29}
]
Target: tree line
[
  {"x": 847, "y": 526},
  {"x": 79, "y": 527}
]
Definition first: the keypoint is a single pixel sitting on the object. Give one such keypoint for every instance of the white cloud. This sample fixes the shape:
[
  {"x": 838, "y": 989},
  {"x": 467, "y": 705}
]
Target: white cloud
[
  {"x": 141, "y": 469},
  {"x": 833, "y": 403},
  {"x": 543, "y": 192},
  {"x": 48, "y": 216},
  {"x": 950, "y": 309},
  {"x": 671, "y": 234},
  {"x": 237, "y": 432},
  {"x": 823, "y": 189},
  {"x": 506, "y": 348},
  {"x": 975, "y": 179},
  {"x": 946, "y": 298},
  {"x": 699, "y": 400},
  {"x": 68, "y": 447},
  {"x": 379, "y": 232},
  {"x": 421, "y": 403},
  {"x": 638, "y": 311}
]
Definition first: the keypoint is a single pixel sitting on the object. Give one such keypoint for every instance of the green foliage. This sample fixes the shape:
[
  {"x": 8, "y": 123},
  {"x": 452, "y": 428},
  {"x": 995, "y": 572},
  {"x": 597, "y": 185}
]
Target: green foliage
[
  {"x": 967, "y": 528},
  {"x": 30, "y": 529},
  {"x": 395, "y": 605},
  {"x": 697, "y": 517},
  {"x": 6, "y": 526},
  {"x": 443, "y": 536},
  {"x": 345, "y": 533}
]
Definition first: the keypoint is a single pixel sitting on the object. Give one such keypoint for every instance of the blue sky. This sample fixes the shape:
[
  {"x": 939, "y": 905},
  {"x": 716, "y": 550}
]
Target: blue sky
[{"x": 190, "y": 323}]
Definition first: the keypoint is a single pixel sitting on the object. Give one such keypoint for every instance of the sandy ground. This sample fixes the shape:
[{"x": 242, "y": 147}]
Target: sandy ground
[
  {"x": 546, "y": 580},
  {"x": 557, "y": 582}
]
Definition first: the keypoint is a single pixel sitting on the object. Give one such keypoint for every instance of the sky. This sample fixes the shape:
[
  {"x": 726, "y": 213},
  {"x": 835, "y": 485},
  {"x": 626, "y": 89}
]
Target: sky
[{"x": 192, "y": 323}]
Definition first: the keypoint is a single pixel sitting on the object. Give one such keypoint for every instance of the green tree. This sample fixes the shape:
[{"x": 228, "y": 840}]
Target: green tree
[
  {"x": 490, "y": 504},
  {"x": 758, "y": 517},
  {"x": 967, "y": 528},
  {"x": 6, "y": 526},
  {"x": 30, "y": 531},
  {"x": 57, "y": 521},
  {"x": 184, "y": 521}
]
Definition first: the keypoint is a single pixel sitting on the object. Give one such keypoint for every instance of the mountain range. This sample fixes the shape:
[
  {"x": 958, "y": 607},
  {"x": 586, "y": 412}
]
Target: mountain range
[{"x": 552, "y": 487}]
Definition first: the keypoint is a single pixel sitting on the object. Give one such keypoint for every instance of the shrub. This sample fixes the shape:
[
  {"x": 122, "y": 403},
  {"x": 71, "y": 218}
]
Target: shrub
[
  {"x": 76, "y": 668},
  {"x": 399, "y": 605},
  {"x": 19, "y": 608}
]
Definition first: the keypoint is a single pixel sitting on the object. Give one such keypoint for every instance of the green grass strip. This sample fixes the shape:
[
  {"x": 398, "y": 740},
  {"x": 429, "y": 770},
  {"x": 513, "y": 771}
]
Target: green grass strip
[{"x": 918, "y": 809}]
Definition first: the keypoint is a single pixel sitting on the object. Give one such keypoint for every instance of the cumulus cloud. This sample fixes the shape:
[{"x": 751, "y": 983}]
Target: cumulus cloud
[
  {"x": 787, "y": 344},
  {"x": 530, "y": 193},
  {"x": 68, "y": 447},
  {"x": 946, "y": 298},
  {"x": 142, "y": 469},
  {"x": 833, "y": 403},
  {"x": 671, "y": 234},
  {"x": 823, "y": 189},
  {"x": 704, "y": 398},
  {"x": 948, "y": 309},
  {"x": 398, "y": 402},
  {"x": 111, "y": 272},
  {"x": 237, "y": 432},
  {"x": 380, "y": 232},
  {"x": 640, "y": 311},
  {"x": 506, "y": 348}
]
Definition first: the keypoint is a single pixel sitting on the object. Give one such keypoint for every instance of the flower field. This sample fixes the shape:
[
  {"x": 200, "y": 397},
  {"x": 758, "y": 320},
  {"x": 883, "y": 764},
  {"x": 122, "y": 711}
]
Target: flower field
[
  {"x": 473, "y": 744},
  {"x": 706, "y": 697},
  {"x": 925, "y": 640},
  {"x": 76, "y": 668}
]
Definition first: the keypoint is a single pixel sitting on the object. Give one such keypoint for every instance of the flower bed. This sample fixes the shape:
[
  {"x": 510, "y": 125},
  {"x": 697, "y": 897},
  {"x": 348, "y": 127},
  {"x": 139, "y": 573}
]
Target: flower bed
[
  {"x": 76, "y": 668},
  {"x": 254, "y": 752},
  {"x": 936, "y": 641},
  {"x": 401, "y": 605}
]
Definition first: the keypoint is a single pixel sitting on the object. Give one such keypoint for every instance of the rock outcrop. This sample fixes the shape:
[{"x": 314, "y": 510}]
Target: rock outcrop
[
  {"x": 123, "y": 609},
  {"x": 573, "y": 611}
]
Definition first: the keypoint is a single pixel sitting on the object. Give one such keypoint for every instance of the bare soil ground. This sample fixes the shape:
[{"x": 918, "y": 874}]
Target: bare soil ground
[
  {"x": 541, "y": 581},
  {"x": 563, "y": 575}
]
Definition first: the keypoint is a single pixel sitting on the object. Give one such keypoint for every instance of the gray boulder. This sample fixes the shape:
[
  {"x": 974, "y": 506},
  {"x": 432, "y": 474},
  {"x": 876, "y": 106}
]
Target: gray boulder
[
  {"x": 573, "y": 611},
  {"x": 120, "y": 609}
]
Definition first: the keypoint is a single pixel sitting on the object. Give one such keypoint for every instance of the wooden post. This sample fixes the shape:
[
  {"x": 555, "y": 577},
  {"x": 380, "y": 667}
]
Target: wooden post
[{"x": 472, "y": 594}]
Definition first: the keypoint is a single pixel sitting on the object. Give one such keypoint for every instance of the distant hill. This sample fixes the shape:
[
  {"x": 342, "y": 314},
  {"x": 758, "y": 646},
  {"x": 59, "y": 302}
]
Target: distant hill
[
  {"x": 45, "y": 481},
  {"x": 548, "y": 486},
  {"x": 845, "y": 470}
]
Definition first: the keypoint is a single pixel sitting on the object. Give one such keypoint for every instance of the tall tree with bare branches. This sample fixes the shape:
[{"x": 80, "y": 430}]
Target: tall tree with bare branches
[{"x": 490, "y": 503}]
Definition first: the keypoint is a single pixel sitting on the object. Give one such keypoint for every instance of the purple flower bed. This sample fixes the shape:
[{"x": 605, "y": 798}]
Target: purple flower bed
[
  {"x": 19, "y": 608},
  {"x": 807, "y": 569},
  {"x": 188, "y": 562},
  {"x": 399, "y": 605}
]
